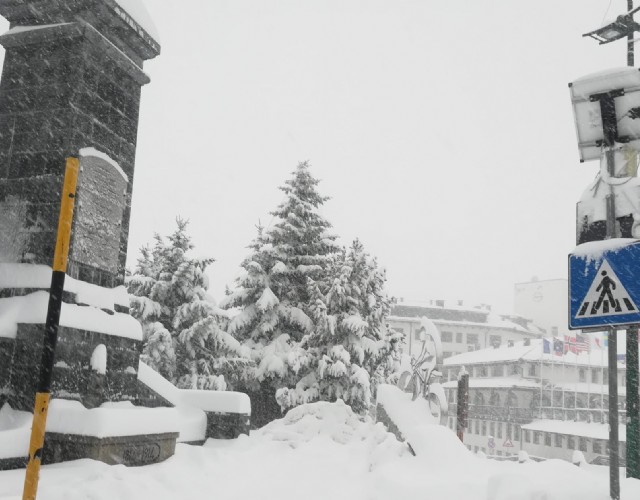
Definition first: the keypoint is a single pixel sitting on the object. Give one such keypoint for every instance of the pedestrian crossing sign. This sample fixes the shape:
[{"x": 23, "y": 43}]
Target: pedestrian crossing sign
[{"x": 604, "y": 286}]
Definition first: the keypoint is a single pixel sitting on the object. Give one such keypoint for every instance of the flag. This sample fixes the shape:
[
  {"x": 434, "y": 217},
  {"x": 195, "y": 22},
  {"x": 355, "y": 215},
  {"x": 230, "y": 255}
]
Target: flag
[
  {"x": 596, "y": 341},
  {"x": 570, "y": 344},
  {"x": 577, "y": 344},
  {"x": 558, "y": 347},
  {"x": 546, "y": 346}
]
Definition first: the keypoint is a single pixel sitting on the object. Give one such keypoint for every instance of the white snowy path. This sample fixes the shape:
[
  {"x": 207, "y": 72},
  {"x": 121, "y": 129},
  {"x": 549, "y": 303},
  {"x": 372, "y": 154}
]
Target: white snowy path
[{"x": 321, "y": 451}]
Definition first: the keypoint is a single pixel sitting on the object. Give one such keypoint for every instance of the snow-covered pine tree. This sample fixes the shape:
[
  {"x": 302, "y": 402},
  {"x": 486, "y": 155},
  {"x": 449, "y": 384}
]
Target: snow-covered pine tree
[
  {"x": 184, "y": 330},
  {"x": 272, "y": 295},
  {"x": 351, "y": 349}
]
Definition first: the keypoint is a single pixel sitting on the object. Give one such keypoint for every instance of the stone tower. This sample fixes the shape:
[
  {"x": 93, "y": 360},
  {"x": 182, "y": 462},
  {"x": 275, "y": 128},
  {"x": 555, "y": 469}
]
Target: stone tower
[{"x": 70, "y": 86}]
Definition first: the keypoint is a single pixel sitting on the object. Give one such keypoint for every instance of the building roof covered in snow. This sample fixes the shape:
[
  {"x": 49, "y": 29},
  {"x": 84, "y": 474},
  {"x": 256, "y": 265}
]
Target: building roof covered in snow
[{"x": 533, "y": 351}]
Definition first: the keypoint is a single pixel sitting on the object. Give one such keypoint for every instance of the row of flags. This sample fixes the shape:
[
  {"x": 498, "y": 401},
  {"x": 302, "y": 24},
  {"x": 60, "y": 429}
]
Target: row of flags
[{"x": 575, "y": 344}]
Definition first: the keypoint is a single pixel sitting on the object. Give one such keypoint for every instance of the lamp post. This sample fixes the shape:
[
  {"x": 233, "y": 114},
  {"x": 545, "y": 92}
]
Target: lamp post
[{"x": 623, "y": 26}]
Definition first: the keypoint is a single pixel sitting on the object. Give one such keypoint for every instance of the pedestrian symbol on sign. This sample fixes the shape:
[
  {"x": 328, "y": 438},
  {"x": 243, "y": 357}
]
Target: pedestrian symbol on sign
[{"x": 606, "y": 296}]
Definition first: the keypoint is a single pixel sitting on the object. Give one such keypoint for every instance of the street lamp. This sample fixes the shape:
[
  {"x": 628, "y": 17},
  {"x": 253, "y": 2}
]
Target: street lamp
[{"x": 621, "y": 27}]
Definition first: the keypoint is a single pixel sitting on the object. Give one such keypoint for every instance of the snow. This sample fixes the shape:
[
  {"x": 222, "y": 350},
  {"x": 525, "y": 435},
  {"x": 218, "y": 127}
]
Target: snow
[
  {"x": 22, "y": 29},
  {"x": 321, "y": 451},
  {"x": 15, "y": 432},
  {"x": 111, "y": 419},
  {"x": 585, "y": 429},
  {"x": 13, "y": 275},
  {"x": 137, "y": 10},
  {"x": 103, "y": 156},
  {"x": 99, "y": 359},
  {"x": 605, "y": 81},
  {"x": 32, "y": 309},
  {"x": 594, "y": 250},
  {"x": 217, "y": 401}
]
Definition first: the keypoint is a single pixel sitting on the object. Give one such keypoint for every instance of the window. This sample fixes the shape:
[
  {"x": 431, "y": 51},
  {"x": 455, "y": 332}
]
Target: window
[
  {"x": 514, "y": 369},
  {"x": 582, "y": 374},
  {"x": 492, "y": 428},
  {"x": 525, "y": 434},
  {"x": 497, "y": 371},
  {"x": 533, "y": 370},
  {"x": 495, "y": 340},
  {"x": 499, "y": 424},
  {"x": 417, "y": 334},
  {"x": 478, "y": 427},
  {"x": 571, "y": 443},
  {"x": 446, "y": 336},
  {"x": 516, "y": 433},
  {"x": 494, "y": 399},
  {"x": 472, "y": 338},
  {"x": 582, "y": 444},
  {"x": 398, "y": 329},
  {"x": 547, "y": 439},
  {"x": 459, "y": 337},
  {"x": 482, "y": 371},
  {"x": 484, "y": 428},
  {"x": 605, "y": 377},
  {"x": 446, "y": 354},
  {"x": 536, "y": 437},
  {"x": 594, "y": 376},
  {"x": 559, "y": 440},
  {"x": 509, "y": 430},
  {"x": 597, "y": 446}
]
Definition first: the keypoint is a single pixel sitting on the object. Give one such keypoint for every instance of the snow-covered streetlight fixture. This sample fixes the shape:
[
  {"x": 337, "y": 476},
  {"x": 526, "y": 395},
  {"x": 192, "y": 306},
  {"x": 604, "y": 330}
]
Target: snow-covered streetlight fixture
[{"x": 623, "y": 26}]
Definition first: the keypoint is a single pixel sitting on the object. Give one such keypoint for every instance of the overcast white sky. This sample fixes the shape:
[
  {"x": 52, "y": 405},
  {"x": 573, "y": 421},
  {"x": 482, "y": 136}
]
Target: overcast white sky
[{"x": 442, "y": 131}]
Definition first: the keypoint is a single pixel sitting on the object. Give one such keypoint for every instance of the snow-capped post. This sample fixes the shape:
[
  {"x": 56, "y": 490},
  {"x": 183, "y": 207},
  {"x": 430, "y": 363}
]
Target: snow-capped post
[
  {"x": 60, "y": 257},
  {"x": 463, "y": 403}
]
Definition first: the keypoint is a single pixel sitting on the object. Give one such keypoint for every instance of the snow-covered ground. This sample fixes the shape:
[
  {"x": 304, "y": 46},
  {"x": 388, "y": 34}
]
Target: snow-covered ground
[{"x": 321, "y": 451}]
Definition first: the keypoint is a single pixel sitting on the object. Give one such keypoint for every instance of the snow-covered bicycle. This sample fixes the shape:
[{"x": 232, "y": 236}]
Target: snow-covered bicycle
[{"x": 423, "y": 378}]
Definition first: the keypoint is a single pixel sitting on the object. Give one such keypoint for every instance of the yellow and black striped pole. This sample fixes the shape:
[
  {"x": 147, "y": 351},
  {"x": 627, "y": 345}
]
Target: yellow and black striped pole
[{"x": 51, "y": 329}]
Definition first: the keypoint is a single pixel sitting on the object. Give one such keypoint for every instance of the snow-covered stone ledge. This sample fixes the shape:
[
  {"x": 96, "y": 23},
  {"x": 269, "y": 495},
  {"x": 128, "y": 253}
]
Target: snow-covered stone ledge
[{"x": 203, "y": 414}]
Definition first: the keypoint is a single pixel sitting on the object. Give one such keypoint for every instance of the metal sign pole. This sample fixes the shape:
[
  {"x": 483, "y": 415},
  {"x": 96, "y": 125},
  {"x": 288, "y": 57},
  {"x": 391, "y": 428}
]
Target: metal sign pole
[
  {"x": 610, "y": 129},
  {"x": 614, "y": 452},
  {"x": 463, "y": 405},
  {"x": 43, "y": 392},
  {"x": 633, "y": 404}
]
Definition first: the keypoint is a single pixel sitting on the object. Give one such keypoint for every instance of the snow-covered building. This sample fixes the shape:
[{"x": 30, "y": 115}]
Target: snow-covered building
[
  {"x": 462, "y": 329},
  {"x": 531, "y": 397}
]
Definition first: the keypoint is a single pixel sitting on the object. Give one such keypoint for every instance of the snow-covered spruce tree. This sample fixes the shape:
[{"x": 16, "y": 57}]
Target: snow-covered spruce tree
[
  {"x": 272, "y": 295},
  {"x": 350, "y": 349},
  {"x": 184, "y": 330}
]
